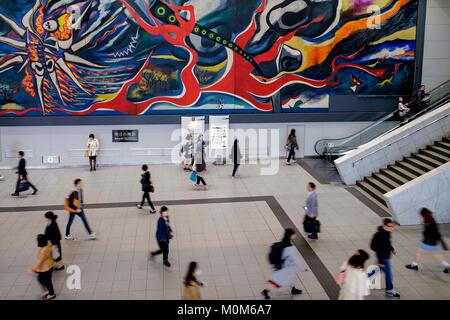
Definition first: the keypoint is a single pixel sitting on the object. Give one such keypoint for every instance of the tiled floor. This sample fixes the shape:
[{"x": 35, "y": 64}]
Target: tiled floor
[{"x": 229, "y": 240}]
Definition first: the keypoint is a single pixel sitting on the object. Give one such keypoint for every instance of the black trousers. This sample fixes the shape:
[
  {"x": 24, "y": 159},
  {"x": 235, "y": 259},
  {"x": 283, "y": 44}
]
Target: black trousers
[
  {"x": 24, "y": 178},
  {"x": 308, "y": 219},
  {"x": 45, "y": 279},
  {"x": 164, "y": 249},
  {"x": 93, "y": 162},
  {"x": 235, "y": 167},
  {"x": 58, "y": 245},
  {"x": 200, "y": 179},
  {"x": 291, "y": 154},
  {"x": 146, "y": 196}
]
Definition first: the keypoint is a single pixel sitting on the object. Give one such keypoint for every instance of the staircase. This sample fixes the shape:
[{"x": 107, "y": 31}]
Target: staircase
[{"x": 401, "y": 172}]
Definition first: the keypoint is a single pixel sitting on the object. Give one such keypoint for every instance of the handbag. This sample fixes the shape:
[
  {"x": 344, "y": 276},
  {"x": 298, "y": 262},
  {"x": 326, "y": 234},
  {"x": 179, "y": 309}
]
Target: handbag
[
  {"x": 86, "y": 153},
  {"x": 151, "y": 188},
  {"x": 24, "y": 185},
  {"x": 193, "y": 176},
  {"x": 340, "y": 277}
]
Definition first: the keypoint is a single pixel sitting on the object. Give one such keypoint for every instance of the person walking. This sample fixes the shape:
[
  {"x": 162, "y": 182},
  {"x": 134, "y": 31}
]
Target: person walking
[
  {"x": 286, "y": 263},
  {"x": 431, "y": 237},
  {"x": 191, "y": 287},
  {"x": 381, "y": 244},
  {"x": 163, "y": 235},
  {"x": 75, "y": 206},
  {"x": 92, "y": 147},
  {"x": 310, "y": 222},
  {"x": 54, "y": 236},
  {"x": 44, "y": 267},
  {"x": 198, "y": 170},
  {"x": 147, "y": 187},
  {"x": 22, "y": 175},
  {"x": 236, "y": 156},
  {"x": 354, "y": 284},
  {"x": 292, "y": 145},
  {"x": 186, "y": 151},
  {"x": 199, "y": 156}
]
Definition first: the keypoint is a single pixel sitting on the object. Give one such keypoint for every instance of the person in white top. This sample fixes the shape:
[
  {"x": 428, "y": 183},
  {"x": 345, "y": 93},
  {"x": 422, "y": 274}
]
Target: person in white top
[
  {"x": 353, "y": 277},
  {"x": 402, "y": 107},
  {"x": 92, "y": 147}
]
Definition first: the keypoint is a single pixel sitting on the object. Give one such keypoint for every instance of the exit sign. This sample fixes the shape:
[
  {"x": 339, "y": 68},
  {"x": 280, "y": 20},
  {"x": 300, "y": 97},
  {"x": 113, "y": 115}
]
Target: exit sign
[{"x": 50, "y": 159}]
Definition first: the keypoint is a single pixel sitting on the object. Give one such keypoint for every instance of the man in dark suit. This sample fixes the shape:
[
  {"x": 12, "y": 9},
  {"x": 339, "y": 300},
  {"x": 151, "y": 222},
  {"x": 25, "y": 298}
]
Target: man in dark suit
[
  {"x": 22, "y": 174},
  {"x": 163, "y": 235}
]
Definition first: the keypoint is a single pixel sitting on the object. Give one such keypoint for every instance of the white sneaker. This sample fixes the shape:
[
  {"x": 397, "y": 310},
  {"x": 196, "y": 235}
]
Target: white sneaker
[
  {"x": 288, "y": 163},
  {"x": 69, "y": 237},
  {"x": 92, "y": 236},
  {"x": 138, "y": 206},
  {"x": 1, "y": 178}
]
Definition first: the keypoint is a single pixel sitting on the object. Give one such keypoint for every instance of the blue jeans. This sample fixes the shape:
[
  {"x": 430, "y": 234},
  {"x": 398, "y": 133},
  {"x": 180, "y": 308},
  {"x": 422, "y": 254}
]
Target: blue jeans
[
  {"x": 387, "y": 269},
  {"x": 83, "y": 218}
]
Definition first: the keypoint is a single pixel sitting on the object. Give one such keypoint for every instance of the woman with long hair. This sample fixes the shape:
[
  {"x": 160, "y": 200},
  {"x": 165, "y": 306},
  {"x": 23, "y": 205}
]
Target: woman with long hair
[
  {"x": 292, "y": 145},
  {"x": 431, "y": 237},
  {"x": 191, "y": 288},
  {"x": 44, "y": 267},
  {"x": 54, "y": 236},
  {"x": 92, "y": 148},
  {"x": 354, "y": 283}
]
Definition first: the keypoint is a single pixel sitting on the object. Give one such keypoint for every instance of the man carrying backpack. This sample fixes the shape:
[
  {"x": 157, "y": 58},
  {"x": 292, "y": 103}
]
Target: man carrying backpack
[
  {"x": 285, "y": 262},
  {"x": 381, "y": 244}
]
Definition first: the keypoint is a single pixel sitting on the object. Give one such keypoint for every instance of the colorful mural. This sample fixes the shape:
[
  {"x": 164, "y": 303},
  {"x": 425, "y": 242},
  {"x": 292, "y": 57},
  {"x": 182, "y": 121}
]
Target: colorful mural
[{"x": 97, "y": 57}]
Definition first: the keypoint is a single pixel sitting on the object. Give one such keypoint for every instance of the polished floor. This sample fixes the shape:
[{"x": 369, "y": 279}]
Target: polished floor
[{"x": 230, "y": 239}]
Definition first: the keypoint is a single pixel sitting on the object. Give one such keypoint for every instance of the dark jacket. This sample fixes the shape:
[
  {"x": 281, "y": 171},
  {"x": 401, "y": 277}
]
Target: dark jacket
[
  {"x": 163, "y": 230},
  {"x": 383, "y": 246},
  {"x": 52, "y": 232},
  {"x": 145, "y": 181},
  {"x": 21, "y": 168},
  {"x": 431, "y": 234},
  {"x": 75, "y": 195},
  {"x": 236, "y": 154}
]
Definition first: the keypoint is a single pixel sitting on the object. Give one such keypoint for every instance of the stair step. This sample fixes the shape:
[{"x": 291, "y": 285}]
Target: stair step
[
  {"x": 435, "y": 155},
  {"x": 385, "y": 179},
  {"x": 380, "y": 186},
  {"x": 402, "y": 172},
  {"x": 440, "y": 150},
  {"x": 414, "y": 166},
  {"x": 442, "y": 144},
  {"x": 428, "y": 160},
  {"x": 394, "y": 176},
  {"x": 383, "y": 206},
  {"x": 446, "y": 139},
  {"x": 377, "y": 195}
]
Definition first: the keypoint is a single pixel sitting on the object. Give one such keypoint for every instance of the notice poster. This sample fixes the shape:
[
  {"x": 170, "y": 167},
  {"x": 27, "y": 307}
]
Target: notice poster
[{"x": 218, "y": 137}]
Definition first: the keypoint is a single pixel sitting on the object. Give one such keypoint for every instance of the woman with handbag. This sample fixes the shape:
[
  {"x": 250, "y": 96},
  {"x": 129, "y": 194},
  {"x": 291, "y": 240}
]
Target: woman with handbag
[
  {"x": 92, "y": 150},
  {"x": 291, "y": 145},
  {"x": 431, "y": 237},
  {"x": 147, "y": 187},
  {"x": 54, "y": 236},
  {"x": 353, "y": 277},
  {"x": 197, "y": 172},
  {"x": 44, "y": 267}
]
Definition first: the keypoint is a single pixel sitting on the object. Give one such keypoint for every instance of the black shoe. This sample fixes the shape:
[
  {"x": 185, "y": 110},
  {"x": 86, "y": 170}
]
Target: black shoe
[
  {"x": 392, "y": 294},
  {"x": 152, "y": 211},
  {"x": 313, "y": 237},
  {"x": 295, "y": 291},
  {"x": 95, "y": 169},
  {"x": 447, "y": 270},
  {"x": 166, "y": 263},
  {"x": 34, "y": 192},
  {"x": 412, "y": 267},
  {"x": 59, "y": 268},
  {"x": 90, "y": 169},
  {"x": 265, "y": 294},
  {"x": 15, "y": 194}
]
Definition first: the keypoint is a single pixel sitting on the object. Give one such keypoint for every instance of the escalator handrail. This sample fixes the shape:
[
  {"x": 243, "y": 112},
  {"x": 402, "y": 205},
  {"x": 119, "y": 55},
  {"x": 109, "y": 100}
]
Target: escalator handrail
[
  {"x": 432, "y": 106},
  {"x": 401, "y": 138}
]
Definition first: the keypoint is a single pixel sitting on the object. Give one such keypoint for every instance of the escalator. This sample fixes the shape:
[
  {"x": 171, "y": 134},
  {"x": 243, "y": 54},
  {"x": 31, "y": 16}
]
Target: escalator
[{"x": 335, "y": 148}]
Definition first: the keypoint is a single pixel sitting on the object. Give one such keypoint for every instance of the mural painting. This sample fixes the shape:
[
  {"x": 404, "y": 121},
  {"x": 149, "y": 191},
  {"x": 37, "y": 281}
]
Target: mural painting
[{"x": 140, "y": 57}]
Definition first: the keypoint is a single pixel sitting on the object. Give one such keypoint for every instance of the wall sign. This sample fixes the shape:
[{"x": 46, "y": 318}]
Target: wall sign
[
  {"x": 51, "y": 159},
  {"x": 125, "y": 135}
]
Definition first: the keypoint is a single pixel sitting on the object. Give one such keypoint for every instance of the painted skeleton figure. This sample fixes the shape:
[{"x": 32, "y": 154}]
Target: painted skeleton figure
[{"x": 47, "y": 45}]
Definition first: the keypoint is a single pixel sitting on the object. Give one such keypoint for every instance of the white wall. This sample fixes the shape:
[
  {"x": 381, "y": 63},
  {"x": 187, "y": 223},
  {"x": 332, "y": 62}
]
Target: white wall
[
  {"x": 406, "y": 201},
  {"x": 154, "y": 144},
  {"x": 395, "y": 145},
  {"x": 436, "y": 62}
]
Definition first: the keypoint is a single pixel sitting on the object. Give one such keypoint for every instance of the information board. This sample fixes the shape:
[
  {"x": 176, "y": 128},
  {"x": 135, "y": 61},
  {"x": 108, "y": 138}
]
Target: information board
[
  {"x": 125, "y": 136},
  {"x": 218, "y": 137}
]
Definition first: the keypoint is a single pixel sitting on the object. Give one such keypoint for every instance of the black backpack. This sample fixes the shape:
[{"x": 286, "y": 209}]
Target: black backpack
[
  {"x": 276, "y": 254},
  {"x": 374, "y": 242}
]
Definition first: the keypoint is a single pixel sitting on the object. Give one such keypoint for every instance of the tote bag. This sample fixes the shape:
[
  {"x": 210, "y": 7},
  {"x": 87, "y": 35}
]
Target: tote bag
[{"x": 193, "y": 176}]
